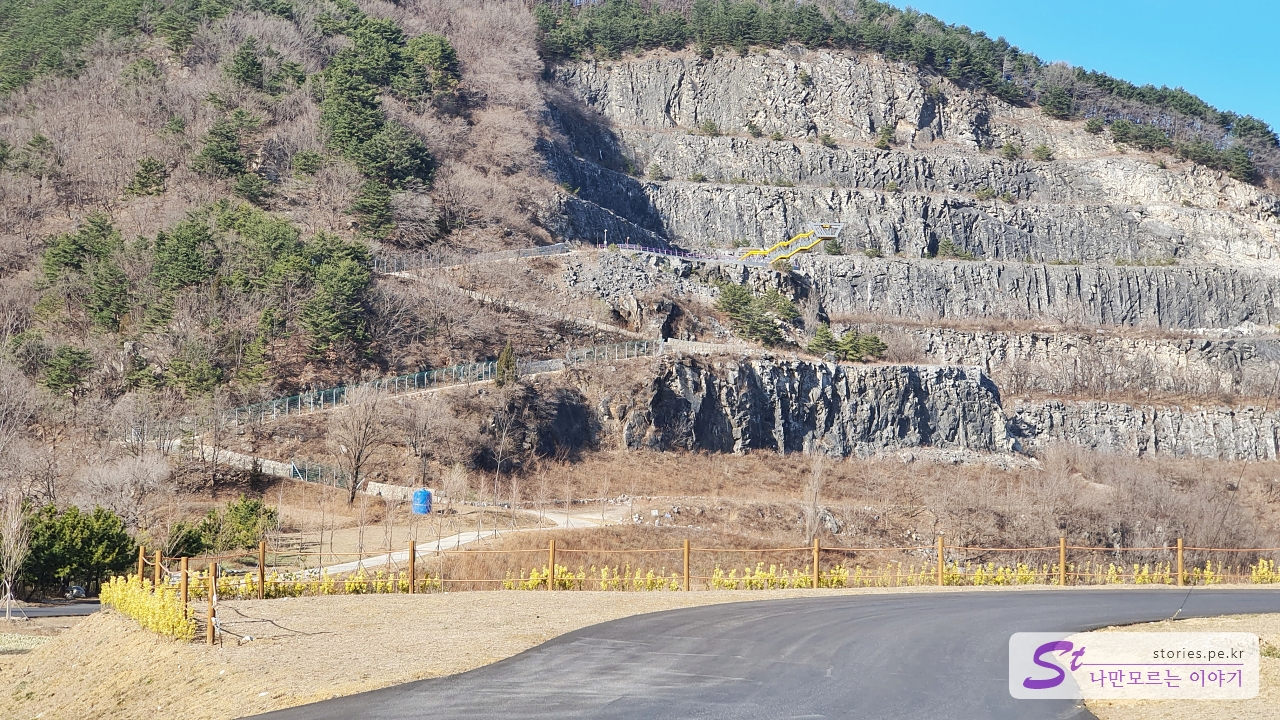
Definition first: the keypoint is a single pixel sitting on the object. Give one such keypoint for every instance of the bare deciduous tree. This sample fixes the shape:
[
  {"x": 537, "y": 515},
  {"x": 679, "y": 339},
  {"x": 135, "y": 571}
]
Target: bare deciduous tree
[
  {"x": 356, "y": 431},
  {"x": 132, "y": 487},
  {"x": 14, "y": 544}
]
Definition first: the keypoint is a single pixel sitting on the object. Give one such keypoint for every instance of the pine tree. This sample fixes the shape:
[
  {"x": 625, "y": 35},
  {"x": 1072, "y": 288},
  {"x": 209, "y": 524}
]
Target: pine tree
[
  {"x": 245, "y": 66},
  {"x": 505, "y": 369},
  {"x": 1055, "y": 101},
  {"x": 108, "y": 298},
  {"x": 149, "y": 180},
  {"x": 66, "y": 370},
  {"x": 823, "y": 342}
]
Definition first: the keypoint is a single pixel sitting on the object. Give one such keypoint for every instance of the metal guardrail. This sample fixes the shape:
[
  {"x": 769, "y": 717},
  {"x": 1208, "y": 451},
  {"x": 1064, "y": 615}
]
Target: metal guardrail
[{"x": 405, "y": 262}]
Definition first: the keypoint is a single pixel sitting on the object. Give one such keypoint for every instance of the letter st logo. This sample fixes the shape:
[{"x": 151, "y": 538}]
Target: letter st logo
[{"x": 1039, "y": 664}]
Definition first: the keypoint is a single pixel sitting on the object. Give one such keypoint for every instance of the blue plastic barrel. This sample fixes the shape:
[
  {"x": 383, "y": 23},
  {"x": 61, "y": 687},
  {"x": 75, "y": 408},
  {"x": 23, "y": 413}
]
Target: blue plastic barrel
[{"x": 422, "y": 502}]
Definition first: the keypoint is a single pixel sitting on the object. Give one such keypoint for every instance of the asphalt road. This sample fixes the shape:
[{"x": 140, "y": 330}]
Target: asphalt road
[
  {"x": 68, "y": 610},
  {"x": 864, "y": 656}
]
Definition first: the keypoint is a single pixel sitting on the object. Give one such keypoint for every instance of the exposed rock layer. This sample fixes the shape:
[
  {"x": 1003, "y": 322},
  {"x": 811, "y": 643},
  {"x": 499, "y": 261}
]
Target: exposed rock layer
[
  {"x": 1094, "y": 295},
  {"x": 734, "y": 405},
  {"x": 1217, "y": 433}
]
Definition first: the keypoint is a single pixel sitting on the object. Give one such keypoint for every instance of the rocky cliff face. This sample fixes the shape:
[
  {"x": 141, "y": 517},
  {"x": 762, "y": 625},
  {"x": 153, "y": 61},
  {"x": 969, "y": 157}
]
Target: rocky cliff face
[
  {"x": 1179, "y": 297},
  {"x": 1104, "y": 363},
  {"x": 1089, "y": 205},
  {"x": 734, "y": 405},
  {"x": 1163, "y": 277},
  {"x": 1217, "y": 433}
]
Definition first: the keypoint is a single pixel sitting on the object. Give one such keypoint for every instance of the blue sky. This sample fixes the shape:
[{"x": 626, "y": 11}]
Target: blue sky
[{"x": 1228, "y": 53}]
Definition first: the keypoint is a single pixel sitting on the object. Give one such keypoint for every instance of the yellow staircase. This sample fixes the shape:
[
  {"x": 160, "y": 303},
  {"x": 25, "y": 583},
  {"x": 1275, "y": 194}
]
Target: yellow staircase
[
  {"x": 760, "y": 252},
  {"x": 787, "y": 249}
]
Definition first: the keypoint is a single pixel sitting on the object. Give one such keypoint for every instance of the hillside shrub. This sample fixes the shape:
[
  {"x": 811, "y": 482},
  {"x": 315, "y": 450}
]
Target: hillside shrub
[
  {"x": 1042, "y": 153},
  {"x": 948, "y": 249},
  {"x": 852, "y": 346}
]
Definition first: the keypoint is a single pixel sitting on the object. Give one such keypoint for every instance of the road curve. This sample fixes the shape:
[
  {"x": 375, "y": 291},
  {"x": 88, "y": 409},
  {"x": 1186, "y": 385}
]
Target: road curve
[{"x": 931, "y": 656}]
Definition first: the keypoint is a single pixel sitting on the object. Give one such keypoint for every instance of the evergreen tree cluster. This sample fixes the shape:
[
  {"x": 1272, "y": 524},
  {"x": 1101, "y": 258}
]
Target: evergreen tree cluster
[
  {"x": 39, "y": 37},
  {"x": 73, "y": 547},
  {"x": 1179, "y": 100},
  {"x": 380, "y": 58},
  {"x": 611, "y": 27},
  {"x": 1235, "y": 159},
  {"x": 224, "y": 250},
  {"x": 756, "y": 317},
  {"x": 852, "y": 346},
  {"x": 273, "y": 77}
]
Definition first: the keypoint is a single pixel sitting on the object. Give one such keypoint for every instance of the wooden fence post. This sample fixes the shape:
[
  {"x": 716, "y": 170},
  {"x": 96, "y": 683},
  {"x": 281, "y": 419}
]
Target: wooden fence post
[
  {"x": 213, "y": 610},
  {"x": 413, "y": 575},
  {"x": 142, "y": 561},
  {"x": 182, "y": 585},
  {"x": 155, "y": 574},
  {"x": 1062, "y": 562},
  {"x": 551, "y": 565},
  {"x": 1181, "y": 576},
  {"x": 816, "y": 550},
  {"x": 941, "y": 562},
  {"x": 262, "y": 569},
  {"x": 686, "y": 564}
]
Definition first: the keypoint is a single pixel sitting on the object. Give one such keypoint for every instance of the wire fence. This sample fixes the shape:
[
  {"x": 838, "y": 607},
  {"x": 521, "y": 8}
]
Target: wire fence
[
  {"x": 425, "y": 260},
  {"x": 290, "y": 571},
  {"x": 171, "y": 433}
]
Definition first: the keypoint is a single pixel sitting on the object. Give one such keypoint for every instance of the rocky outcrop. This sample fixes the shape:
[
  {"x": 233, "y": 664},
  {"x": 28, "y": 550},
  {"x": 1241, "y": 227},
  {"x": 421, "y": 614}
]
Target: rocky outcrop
[
  {"x": 1217, "y": 433},
  {"x": 1178, "y": 297},
  {"x": 1101, "y": 363},
  {"x": 758, "y": 403}
]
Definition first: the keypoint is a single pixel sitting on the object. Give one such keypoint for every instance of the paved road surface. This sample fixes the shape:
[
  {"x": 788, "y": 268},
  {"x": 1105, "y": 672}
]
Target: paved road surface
[
  {"x": 926, "y": 656},
  {"x": 68, "y": 610}
]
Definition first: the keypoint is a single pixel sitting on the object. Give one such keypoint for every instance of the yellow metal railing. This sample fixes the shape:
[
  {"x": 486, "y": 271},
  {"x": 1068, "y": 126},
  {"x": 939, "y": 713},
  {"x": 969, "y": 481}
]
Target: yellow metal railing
[
  {"x": 803, "y": 248},
  {"x": 779, "y": 246}
]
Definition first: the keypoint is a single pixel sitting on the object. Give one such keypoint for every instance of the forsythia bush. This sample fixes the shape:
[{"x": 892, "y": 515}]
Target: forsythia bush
[
  {"x": 1264, "y": 572},
  {"x": 776, "y": 578},
  {"x": 160, "y": 611},
  {"x": 278, "y": 585}
]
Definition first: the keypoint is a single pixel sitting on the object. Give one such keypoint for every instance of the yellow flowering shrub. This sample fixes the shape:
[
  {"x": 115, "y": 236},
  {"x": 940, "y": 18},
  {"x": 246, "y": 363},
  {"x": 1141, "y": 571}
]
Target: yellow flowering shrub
[
  {"x": 158, "y": 610},
  {"x": 1264, "y": 572}
]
